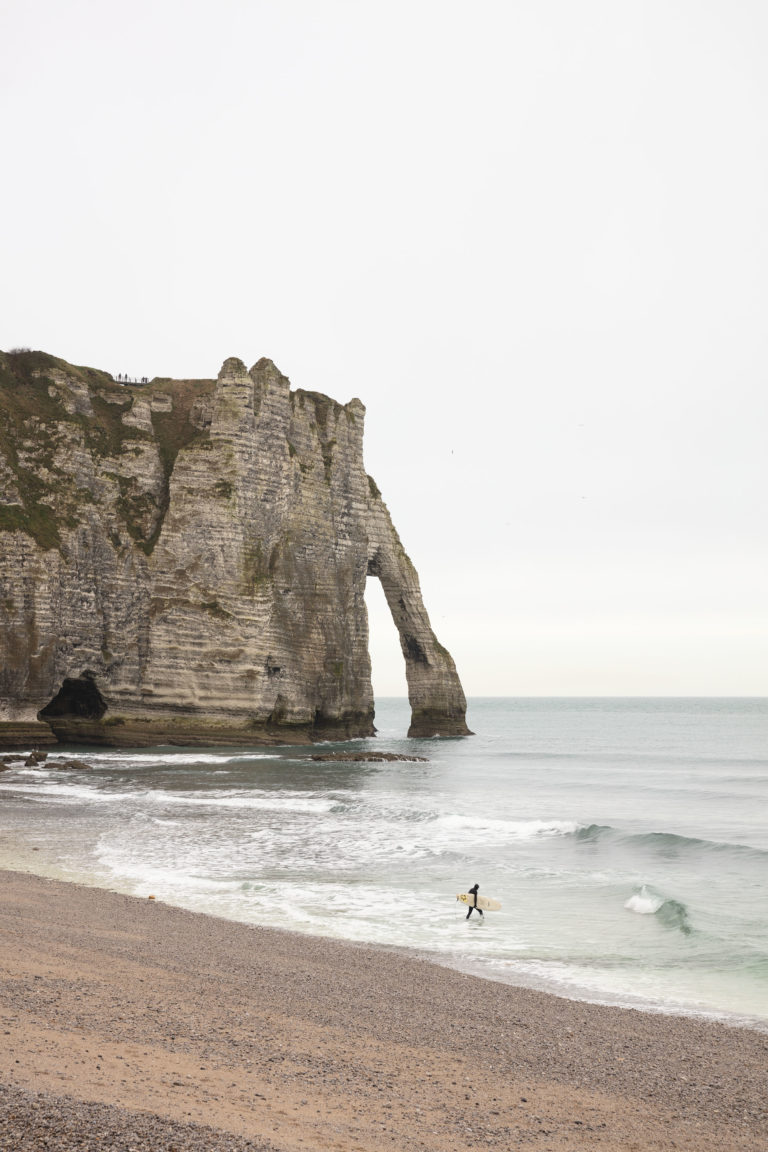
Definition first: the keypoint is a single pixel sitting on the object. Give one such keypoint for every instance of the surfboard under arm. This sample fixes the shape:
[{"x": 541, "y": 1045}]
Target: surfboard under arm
[{"x": 483, "y": 902}]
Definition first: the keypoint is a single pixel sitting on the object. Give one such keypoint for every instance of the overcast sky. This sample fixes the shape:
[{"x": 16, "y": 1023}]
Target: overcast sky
[{"x": 530, "y": 235}]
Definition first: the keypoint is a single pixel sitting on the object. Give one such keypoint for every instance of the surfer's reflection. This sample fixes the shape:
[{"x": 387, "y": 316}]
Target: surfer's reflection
[{"x": 473, "y": 907}]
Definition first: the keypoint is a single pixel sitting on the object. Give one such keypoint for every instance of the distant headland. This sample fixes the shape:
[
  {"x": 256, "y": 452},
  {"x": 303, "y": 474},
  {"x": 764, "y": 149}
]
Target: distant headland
[{"x": 184, "y": 561}]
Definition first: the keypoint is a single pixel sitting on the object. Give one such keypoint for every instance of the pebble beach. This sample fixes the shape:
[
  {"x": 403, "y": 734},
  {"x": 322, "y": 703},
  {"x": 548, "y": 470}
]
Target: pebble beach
[{"x": 131, "y": 1024}]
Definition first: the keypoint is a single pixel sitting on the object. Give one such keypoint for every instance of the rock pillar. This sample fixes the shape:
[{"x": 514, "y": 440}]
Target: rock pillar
[{"x": 438, "y": 704}]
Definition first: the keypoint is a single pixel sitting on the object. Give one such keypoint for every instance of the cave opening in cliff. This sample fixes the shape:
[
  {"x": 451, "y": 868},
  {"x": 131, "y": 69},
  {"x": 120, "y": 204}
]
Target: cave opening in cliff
[
  {"x": 78, "y": 697},
  {"x": 387, "y": 663}
]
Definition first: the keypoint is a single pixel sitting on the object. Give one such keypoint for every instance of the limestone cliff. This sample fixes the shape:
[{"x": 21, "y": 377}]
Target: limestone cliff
[{"x": 185, "y": 562}]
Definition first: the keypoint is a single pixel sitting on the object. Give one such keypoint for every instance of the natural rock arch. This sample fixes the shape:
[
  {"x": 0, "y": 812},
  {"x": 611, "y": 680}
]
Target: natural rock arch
[{"x": 200, "y": 548}]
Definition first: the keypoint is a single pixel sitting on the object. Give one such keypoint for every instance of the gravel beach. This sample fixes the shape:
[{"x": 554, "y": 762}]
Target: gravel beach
[{"x": 129, "y": 1024}]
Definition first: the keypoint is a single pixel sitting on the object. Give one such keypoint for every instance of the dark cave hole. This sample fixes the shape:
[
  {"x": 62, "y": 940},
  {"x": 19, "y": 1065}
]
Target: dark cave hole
[{"x": 78, "y": 697}]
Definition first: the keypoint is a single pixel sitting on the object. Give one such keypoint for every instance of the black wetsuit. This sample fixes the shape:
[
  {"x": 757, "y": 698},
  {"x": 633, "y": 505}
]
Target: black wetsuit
[{"x": 473, "y": 907}]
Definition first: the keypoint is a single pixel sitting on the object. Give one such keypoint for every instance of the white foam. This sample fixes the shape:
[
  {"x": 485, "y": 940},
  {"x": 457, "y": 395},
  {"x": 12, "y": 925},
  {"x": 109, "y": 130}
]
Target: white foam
[
  {"x": 72, "y": 792},
  {"x": 264, "y": 802},
  {"x": 645, "y": 903},
  {"x": 513, "y": 829},
  {"x": 173, "y": 883},
  {"x": 189, "y": 758}
]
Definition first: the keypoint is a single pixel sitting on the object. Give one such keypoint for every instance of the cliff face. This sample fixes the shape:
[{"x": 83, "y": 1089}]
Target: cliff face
[{"x": 186, "y": 561}]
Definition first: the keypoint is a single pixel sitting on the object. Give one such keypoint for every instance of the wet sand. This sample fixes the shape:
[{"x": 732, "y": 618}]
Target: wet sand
[{"x": 129, "y": 1024}]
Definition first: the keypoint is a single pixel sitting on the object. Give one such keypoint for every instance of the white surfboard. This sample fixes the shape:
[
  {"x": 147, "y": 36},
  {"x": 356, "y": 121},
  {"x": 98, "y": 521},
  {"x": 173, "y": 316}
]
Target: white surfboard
[{"x": 483, "y": 902}]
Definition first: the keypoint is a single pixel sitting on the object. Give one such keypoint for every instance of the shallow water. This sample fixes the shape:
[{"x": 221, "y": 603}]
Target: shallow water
[{"x": 626, "y": 839}]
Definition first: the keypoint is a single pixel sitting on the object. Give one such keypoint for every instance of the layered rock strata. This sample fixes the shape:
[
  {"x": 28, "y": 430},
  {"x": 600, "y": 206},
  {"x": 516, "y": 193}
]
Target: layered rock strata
[{"x": 185, "y": 562}]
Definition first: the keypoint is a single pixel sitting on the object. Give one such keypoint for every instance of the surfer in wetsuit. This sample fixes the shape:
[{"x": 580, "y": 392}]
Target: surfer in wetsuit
[{"x": 472, "y": 907}]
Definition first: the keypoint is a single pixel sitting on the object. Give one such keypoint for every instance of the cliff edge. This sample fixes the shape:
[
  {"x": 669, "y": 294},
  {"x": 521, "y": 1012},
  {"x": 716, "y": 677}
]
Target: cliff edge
[{"x": 185, "y": 562}]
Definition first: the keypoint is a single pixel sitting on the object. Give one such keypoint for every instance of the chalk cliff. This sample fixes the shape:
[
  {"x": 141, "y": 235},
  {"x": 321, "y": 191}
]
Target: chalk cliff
[{"x": 185, "y": 562}]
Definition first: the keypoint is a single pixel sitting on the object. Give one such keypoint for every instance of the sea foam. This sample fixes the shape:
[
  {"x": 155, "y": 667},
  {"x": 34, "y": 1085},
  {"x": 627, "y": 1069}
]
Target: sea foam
[{"x": 644, "y": 902}]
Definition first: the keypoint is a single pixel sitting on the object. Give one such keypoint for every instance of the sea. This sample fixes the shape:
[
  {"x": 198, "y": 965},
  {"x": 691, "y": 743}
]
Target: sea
[{"x": 627, "y": 840}]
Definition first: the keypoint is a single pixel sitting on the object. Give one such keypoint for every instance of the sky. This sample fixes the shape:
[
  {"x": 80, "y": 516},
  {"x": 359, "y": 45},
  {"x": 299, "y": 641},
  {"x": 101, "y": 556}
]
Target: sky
[{"x": 530, "y": 235}]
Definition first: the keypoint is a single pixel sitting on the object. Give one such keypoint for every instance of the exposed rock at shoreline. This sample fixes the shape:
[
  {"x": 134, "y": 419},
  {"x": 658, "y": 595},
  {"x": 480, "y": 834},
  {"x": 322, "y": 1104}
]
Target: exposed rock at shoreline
[
  {"x": 20, "y": 734},
  {"x": 73, "y": 766},
  {"x": 368, "y": 757},
  {"x": 185, "y": 563}
]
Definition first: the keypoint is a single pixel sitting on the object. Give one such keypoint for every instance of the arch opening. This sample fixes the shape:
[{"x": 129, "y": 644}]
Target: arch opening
[{"x": 387, "y": 663}]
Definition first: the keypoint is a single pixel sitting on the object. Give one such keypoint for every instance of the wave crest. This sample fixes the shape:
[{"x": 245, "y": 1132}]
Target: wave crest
[
  {"x": 670, "y": 913},
  {"x": 669, "y": 844}
]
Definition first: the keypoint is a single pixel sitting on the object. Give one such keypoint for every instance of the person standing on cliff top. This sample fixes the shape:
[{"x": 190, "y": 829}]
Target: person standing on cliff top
[{"x": 473, "y": 892}]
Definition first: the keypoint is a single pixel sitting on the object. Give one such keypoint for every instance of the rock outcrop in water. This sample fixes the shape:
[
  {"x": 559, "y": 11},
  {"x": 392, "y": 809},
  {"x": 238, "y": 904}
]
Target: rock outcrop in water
[{"x": 185, "y": 562}]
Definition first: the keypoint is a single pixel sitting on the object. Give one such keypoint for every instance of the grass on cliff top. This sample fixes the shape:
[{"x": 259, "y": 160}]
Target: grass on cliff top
[{"x": 29, "y": 413}]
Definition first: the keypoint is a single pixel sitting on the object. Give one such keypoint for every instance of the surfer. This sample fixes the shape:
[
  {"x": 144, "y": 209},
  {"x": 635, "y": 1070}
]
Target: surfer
[{"x": 472, "y": 907}]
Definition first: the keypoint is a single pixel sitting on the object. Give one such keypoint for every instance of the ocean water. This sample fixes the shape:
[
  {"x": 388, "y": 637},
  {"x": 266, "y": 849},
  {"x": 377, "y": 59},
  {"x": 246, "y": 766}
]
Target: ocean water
[{"x": 627, "y": 840}]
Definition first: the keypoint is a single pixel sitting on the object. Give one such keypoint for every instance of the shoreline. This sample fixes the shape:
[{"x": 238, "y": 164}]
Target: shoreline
[
  {"x": 708, "y": 1016},
  {"x": 289, "y": 1041},
  {"x": 19, "y": 862}
]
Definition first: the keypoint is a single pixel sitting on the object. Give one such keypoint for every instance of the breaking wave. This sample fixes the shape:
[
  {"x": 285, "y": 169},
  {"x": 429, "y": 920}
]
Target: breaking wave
[{"x": 670, "y": 913}]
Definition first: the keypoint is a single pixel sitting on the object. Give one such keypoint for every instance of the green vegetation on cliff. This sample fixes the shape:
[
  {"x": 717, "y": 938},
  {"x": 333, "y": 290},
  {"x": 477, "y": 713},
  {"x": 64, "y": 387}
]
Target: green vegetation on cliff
[{"x": 51, "y": 412}]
